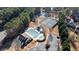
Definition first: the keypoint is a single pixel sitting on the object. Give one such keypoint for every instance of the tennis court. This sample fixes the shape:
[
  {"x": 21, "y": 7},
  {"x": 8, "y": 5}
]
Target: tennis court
[{"x": 49, "y": 22}]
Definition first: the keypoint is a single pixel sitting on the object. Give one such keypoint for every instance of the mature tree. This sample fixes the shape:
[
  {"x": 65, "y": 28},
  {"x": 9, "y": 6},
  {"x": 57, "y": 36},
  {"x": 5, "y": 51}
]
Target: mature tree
[
  {"x": 63, "y": 32},
  {"x": 18, "y": 23},
  {"x": 7, "y": 14}
]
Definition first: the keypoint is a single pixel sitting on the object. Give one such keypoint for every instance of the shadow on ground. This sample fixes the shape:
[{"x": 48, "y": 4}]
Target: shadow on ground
[{"x": 6, "y": 43}]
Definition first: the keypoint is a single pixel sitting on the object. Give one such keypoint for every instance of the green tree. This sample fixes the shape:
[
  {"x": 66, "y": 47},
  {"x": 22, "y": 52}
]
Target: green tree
[
  {"x": 7, "y": 14},
  {"x": 63, "y": 32},
  {"x": 19, "y": 22}
]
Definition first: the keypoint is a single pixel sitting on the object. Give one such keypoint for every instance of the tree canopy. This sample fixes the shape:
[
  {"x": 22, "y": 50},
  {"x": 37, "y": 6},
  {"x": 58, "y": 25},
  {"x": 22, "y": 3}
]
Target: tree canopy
[{"x": 63, "y": 32}]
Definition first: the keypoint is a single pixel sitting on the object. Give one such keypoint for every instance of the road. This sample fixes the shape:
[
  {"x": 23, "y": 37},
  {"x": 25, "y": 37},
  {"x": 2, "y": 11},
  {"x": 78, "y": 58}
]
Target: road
[{"x": 53, "y": 43}]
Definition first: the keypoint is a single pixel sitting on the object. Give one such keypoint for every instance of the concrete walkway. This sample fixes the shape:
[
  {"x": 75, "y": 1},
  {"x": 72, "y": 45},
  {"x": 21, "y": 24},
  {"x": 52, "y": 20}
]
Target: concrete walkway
[{"x": 53, "y": 45}]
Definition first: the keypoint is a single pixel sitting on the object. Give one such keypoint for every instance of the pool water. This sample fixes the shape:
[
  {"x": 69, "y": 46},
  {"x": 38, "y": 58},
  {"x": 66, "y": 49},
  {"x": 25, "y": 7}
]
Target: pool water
[{"x": 33, "y": 32}]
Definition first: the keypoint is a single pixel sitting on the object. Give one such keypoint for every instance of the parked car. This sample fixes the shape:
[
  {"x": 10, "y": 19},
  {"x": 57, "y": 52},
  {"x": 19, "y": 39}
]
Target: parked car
[
  {"x": 72, "y": 25},
  {"x": 76, "y": 16},
  {"x": 77, "y": 30}
]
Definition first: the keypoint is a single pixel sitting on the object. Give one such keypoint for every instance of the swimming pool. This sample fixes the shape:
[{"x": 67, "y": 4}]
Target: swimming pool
[{"x": 34, "y": 34}]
